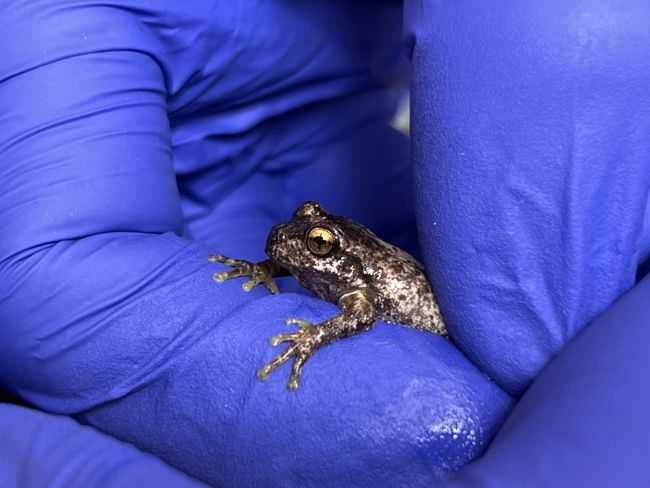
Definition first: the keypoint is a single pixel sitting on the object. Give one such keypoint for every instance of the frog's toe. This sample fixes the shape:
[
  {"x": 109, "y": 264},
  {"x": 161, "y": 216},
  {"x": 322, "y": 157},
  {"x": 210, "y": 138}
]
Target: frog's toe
[
  {"x": 303, "y": 344},
  {"x": 296, "y": 368},
  {"x": 258, "y": 278},
  {"x": 307, "y": 330},
  {"x": 302, "y": 323},
  {"x": 280, "y": 338},
  {"x": 280, "y": 359},
  {"x": 248, "y": 286},
  {"x": 220, "y": 258},
  {"x": 296, "y": 371},
  {"x": 226, "y": 275},
  {"x": 219, "y": 277},
  {"x": 263, "y": 372},
  {"x": 256, "y": 272},
  {"x": 271, "y": 286}
]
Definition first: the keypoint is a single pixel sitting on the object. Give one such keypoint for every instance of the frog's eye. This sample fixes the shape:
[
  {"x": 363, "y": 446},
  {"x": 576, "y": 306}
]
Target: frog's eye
[
  {"x": 321, "y": 241},
  {"x": 309, "y": 209}
]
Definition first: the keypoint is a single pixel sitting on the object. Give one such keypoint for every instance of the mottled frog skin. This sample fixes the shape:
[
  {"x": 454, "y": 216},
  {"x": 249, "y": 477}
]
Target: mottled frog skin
[{"x": 343, "y": 262}]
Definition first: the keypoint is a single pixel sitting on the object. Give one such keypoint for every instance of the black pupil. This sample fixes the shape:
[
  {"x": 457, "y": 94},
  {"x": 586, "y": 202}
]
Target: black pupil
[{"x": 320, "y": 242}]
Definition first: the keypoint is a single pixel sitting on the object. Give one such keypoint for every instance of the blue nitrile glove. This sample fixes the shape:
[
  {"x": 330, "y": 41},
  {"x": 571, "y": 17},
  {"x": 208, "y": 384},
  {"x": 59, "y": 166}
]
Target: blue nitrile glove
[
  {"x": 530, "y": 132},
  {"x": 39, "y": 450},
  {"x": 583, "y": 422},
  {"x": 136, "y": 138}
]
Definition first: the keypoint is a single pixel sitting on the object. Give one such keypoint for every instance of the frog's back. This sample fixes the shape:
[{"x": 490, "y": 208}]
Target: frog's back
[{"x": 398, "y": 282}]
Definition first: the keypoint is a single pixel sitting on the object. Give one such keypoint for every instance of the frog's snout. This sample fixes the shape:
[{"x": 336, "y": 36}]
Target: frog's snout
[{"x": 276, "y": 239}]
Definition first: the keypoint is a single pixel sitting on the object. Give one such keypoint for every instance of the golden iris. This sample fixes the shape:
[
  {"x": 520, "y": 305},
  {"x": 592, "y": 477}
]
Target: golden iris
[{"x": 321, "y": 241}]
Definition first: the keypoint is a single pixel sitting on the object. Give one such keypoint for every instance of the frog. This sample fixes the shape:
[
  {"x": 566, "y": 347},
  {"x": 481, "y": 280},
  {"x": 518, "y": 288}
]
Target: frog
[{"x": 343, "y": 262}]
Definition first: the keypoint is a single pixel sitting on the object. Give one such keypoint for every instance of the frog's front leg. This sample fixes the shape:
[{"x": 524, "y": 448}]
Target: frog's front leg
[
  {"x": 357, "y": 315},
  {"x": 262, "y": 272}
]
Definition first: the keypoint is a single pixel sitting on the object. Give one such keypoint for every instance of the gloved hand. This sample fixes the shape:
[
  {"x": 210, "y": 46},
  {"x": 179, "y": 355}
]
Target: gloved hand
[
  {"x": 529, "y": 127},
  {"x": 137, "y": 138},
  {"x": 583, "y": 422},
  {"x": 39, "y": 450}
]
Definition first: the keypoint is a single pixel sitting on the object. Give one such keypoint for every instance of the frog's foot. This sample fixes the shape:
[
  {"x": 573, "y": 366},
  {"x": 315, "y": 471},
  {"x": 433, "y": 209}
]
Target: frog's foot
[
  {"x": 257, "y": 272},
  {"x": 305, "y": 342}
]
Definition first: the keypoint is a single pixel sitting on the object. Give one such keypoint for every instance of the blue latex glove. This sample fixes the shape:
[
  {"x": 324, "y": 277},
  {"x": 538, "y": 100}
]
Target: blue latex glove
[
  {"x": 38, "y": 450},
  {"x": 134, "y": 139},
  {"x": 530, "y": 126}
]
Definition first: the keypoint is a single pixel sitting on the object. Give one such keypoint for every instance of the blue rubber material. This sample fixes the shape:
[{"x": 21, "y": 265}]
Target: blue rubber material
[
  {"x": 136, "y": 138},
  {"x": 38, "y": 450},
  {"x": 529, "y": 127},
  {"x": 143, "y": 138},
  {"x": 582, "y": 422}
]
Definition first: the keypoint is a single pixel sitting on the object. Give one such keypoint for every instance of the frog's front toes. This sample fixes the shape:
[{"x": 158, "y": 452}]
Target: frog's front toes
[
  {"x": 304, "y": 342},
  {"x": 242, "y": 268},
  {"x": 235, "y": 263}
]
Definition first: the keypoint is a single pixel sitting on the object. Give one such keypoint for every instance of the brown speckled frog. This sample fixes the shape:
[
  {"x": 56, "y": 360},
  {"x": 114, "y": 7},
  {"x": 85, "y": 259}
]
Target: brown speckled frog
[{"x": 342, "y": 262}]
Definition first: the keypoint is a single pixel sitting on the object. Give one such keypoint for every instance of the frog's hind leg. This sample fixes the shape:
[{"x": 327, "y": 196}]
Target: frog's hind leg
[
  {"x": 426, "y": 316},
  {"x": 357, "y": 315}
]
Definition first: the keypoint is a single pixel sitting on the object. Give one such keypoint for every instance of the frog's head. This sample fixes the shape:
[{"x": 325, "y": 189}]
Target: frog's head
[{"x": 313, "y": 246}]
